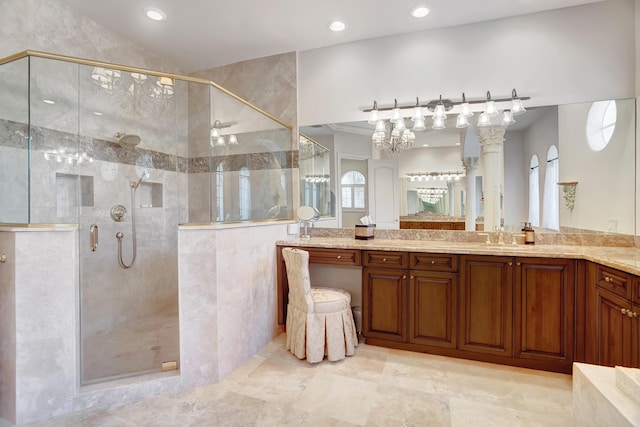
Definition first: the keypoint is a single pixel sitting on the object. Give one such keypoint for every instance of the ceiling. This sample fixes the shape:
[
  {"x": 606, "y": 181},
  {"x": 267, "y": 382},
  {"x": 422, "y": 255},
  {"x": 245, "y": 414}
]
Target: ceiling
[{"x": 210, "y": 33}]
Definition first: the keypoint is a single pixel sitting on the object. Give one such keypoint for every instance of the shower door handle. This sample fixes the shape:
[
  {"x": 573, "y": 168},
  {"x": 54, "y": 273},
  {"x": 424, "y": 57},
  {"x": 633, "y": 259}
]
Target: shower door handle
[{"x": 93, "y": 237}]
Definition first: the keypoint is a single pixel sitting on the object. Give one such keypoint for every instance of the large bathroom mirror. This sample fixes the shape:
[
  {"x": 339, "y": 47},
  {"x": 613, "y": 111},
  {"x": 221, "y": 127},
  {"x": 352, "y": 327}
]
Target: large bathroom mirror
[
  {"x": 586, "y": 150},
  {"x": 315, "y": 176}
]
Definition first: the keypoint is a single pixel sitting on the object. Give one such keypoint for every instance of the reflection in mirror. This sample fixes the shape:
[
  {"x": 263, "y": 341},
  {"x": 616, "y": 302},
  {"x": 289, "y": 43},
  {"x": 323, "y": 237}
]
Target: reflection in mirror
[
  {"x": 604, "y": 199},
  {"x": 315, "y": 178}
]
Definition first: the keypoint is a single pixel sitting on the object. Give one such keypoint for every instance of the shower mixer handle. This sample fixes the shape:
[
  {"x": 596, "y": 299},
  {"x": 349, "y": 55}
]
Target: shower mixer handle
[
  {"x": 119, "y": 235},
  {"x": 118, "y": 213}
]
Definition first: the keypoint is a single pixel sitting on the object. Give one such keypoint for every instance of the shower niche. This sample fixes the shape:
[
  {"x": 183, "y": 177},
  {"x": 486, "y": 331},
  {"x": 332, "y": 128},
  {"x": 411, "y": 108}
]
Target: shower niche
[{"x": 150, "y": 195}]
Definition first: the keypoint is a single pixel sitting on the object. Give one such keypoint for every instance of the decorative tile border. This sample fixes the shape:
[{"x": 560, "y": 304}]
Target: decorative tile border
[{"x": 15, "y": 134}]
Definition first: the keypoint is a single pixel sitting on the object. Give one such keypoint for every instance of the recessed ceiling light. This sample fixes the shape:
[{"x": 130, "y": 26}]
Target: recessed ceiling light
[
  {"x": 420, "y": 11},
  {"x": 425, "y": 145},
  {"x": 48, "y": 101},
  {"x": 98, "y": 113},
  {"x": 457, "y": 143},
  {"x": 154, "y": 13},
  {"x": 337, "y": 26}
]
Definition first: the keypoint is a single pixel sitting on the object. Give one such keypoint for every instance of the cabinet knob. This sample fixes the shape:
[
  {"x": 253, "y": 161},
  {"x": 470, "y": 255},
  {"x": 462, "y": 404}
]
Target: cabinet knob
[
  {"x": 433, "y": 261},
  {"x": 339, "y": 257},
  {"x": 623, "y": 311},
  {"x": 518, "y": 264},
  {"x": 510, "y": 263},
  {"x": 412, "y": 277},
  {"x": 607, "y": 279},
  {"x": 384, "y": 260},
  {"x": 404, "y": 276}
]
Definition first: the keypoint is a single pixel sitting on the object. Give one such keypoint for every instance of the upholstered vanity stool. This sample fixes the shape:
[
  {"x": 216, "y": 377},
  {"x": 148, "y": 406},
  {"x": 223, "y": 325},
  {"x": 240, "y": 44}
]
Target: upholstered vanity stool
[{"x": 319, "y": 320}]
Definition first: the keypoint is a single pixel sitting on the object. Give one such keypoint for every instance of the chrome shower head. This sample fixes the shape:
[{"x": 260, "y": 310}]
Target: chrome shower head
[{"x": 127, "y": 140}]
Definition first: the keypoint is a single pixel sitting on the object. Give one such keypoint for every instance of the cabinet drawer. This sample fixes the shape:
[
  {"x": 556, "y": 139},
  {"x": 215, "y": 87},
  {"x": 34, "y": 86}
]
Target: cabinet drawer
[
  {"x": 333, "y": 256},
  {"x": 433, "y": 262},
  {"x": 384, "y": 259},
  {"x": 614, "y": 281}
]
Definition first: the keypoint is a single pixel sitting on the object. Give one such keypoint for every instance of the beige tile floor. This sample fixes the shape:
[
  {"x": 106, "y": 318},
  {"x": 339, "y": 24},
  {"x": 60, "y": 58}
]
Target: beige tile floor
[{"x": 376, "y": 387}]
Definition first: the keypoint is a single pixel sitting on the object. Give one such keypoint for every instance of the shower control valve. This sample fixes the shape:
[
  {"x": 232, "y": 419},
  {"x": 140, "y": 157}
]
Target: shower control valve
[{"x": 118, "y": 213}]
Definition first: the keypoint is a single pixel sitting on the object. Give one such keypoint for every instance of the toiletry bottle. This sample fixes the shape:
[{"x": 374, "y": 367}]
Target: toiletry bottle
[{"x": 529, "y": 234}]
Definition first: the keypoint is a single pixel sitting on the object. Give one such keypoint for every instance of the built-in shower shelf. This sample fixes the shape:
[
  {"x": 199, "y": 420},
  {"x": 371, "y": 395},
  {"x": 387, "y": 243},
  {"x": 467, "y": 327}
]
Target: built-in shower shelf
[
  {"x": 67, "y": 190},
  {"x": 150, "y": 195}
]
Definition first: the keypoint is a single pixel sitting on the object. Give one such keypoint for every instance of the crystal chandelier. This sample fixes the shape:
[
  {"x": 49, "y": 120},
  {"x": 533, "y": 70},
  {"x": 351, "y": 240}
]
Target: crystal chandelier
[
  {"x": 399, "y": 137},
  {"x": 119, "y": 86},
  {"x": 394, "y": 137}
]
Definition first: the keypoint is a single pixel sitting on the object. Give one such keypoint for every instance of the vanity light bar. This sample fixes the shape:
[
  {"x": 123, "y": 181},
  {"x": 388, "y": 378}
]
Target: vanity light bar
[
  {"x": 448, "y": 104},
  {"x": 425, "y": 176}
]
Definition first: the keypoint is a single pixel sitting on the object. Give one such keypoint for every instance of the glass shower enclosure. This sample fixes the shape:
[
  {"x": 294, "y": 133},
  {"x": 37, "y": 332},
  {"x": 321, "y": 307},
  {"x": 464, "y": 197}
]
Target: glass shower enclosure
[{"x": 127, "y": 155}]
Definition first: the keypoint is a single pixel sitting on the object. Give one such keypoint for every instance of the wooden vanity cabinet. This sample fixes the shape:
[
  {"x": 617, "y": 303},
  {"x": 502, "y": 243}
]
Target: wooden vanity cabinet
[
  {"x": 486, "y": 305},
  {"x": 385, "y": 295},
  {"x": 518, "y": 308},
  {"x": 612, "y": 323},
  {"x": 544, "y": 310},
  {"x": 411, "y": 298}
]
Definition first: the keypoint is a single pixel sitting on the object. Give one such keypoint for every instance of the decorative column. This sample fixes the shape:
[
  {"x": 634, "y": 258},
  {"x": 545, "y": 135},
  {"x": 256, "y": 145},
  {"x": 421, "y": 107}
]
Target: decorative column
[
  {"x": 471, "y": 171},
  {"x": 452, "y": 198},
  {"x": 492, "y": 147}
]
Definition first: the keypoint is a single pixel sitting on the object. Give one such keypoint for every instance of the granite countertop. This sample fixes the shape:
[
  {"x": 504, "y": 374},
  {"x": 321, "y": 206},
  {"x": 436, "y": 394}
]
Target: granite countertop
[{"x": 622, "y": 258}]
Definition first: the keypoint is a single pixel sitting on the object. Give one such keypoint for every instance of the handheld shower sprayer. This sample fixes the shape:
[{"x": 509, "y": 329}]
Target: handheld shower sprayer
[{"x": 144, "y": 175}]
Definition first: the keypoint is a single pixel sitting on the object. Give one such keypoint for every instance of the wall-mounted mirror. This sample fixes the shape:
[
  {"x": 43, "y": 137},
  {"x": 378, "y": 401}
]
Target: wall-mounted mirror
[
  {"x": 603, "y": 200},
  {"x": 315, "y": 177}
]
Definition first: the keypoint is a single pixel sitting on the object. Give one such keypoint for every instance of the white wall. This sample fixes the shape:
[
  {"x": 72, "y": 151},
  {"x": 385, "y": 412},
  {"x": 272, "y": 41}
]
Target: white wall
[
  {"x": 538, "y": 138},
  {"x": 567, "y": 55},
  {"x": 605, "y": 192},
  {"x": 516, "y": 184}
]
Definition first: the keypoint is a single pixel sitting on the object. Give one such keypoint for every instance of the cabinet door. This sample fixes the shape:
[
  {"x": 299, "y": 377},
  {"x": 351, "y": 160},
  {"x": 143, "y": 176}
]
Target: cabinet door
[
  {"x": 433, "y": 309},
  {"x": 486, "y": 305},
  {"x": 544, "y": 309},
  {"x": 613, "y": 330},
  {"x": 384, "y": 308}
]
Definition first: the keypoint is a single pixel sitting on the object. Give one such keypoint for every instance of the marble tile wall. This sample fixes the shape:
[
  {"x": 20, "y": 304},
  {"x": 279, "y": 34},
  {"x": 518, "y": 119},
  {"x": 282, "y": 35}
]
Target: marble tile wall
[
  {"x": 228, "y": 295},
  {"x": 8, "y": 328},
  {"x": 45, "y": 320},
  {"x": 49, "y": 26}
]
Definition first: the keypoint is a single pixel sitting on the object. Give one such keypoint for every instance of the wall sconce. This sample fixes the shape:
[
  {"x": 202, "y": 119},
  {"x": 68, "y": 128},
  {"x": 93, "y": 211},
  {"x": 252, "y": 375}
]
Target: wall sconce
[
  {"x": 569, "y": 193},
  {"x": 217, "y": 139}
]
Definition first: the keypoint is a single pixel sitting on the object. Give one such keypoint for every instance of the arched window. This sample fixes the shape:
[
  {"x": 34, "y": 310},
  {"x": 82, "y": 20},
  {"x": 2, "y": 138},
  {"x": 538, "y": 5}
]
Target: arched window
[
  {"x": 352, "y": 186},
  {"x": 550, "y": 207},
  {"x": 534, "y": 191},
  {"x": 244, "y": 188},
  {"x": 601, "y": 122}
]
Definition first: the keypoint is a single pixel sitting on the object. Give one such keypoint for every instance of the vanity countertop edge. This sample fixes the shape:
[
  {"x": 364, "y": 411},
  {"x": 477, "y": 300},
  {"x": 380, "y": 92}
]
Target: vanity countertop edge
[{"x": 626, "y": 259}]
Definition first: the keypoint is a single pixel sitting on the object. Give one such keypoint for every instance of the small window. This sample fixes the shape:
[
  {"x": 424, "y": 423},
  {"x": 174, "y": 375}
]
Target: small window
[
  {"x": 352, "y": 186},
  {"x": 601, "y": 122}
]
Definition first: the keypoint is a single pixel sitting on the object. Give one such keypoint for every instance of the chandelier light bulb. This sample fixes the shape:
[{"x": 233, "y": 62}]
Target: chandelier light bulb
[
  {"x": 507, "y": 118},
  {"x": 395, "y": 113},
  {"x": 220, "y": 142},
  {"x": 380, "y": 127},
  {"x": 400, "y": 125},
  {"x": 233, "y": 140},
  {"x": 215, "y": 133},
  {"x": 418, "y": 124},
  {"x": 373, "y": 114},
  {"x": 516, "y": 107},
  {"x": 491, "y": 109},
  {"x": 483, "y": 120},
  {"x": 461, "y": 121},
  {"x": 438, "y": 122}
]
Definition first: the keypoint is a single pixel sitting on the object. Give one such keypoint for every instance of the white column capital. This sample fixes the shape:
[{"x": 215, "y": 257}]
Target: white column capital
[
  {"x": 470, "y": 164},
  {"x": 491, "y": 137}
]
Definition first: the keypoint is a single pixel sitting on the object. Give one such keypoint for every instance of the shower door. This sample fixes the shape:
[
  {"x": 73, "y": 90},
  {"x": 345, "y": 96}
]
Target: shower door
[{"x": 128, "y": 203}]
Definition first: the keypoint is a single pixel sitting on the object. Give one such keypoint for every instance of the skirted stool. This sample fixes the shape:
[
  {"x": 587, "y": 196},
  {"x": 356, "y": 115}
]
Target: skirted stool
[{"x": 319, "y": 319}]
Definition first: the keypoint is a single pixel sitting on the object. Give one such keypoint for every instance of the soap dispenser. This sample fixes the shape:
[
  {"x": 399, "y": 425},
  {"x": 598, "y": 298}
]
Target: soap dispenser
[{"x": 529, "y": 234}]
